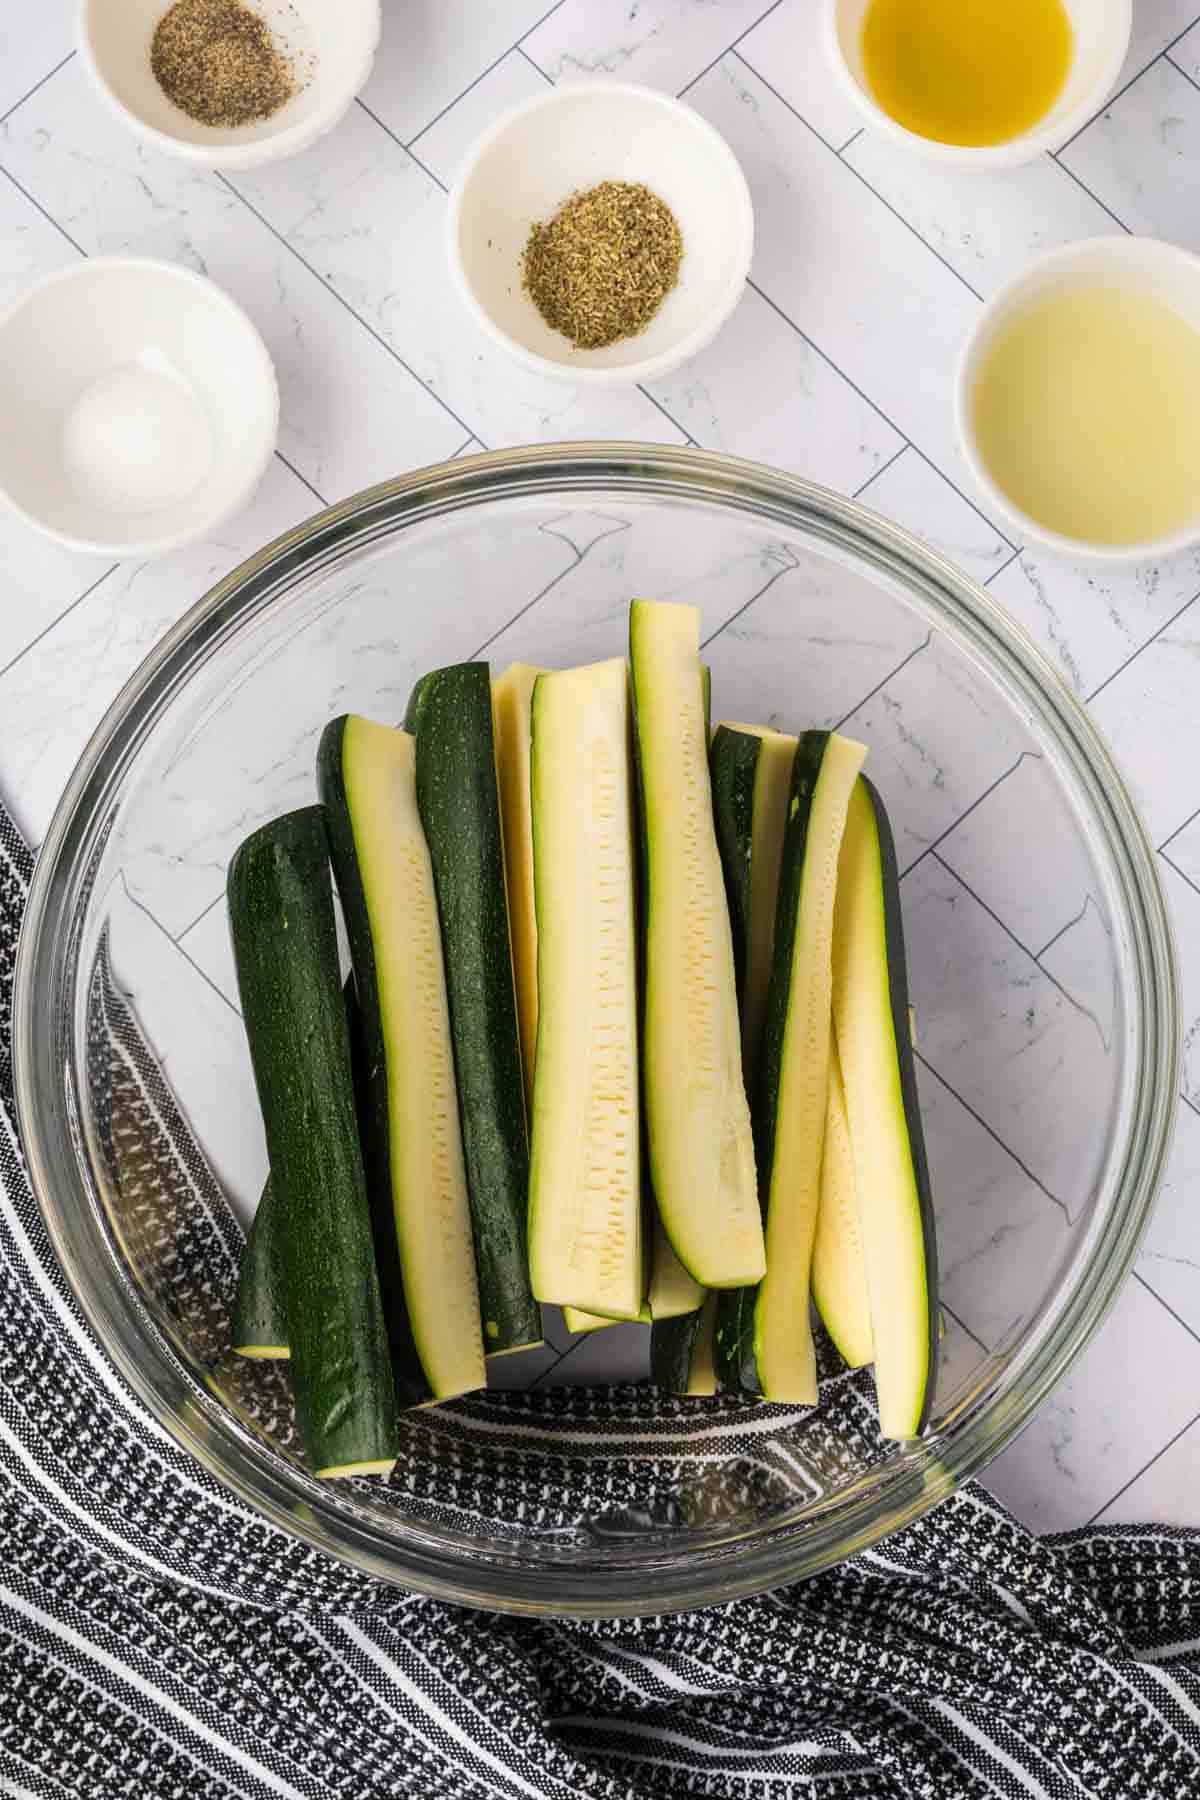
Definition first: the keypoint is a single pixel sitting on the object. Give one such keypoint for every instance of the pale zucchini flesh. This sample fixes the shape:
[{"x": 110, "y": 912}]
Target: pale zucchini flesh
[
  {"x": 871, "y": 1016},
  {"x": 673, "y": 1292},
  {"x": 700, "y": 1142},
  {"x": 839, "y": 1271},
  {"x": 428, "y": 1175},
  {"x": 794, "y": 1086},
  {"x": 512, "y": 706},
  {"x": 585, "y": 1212}
]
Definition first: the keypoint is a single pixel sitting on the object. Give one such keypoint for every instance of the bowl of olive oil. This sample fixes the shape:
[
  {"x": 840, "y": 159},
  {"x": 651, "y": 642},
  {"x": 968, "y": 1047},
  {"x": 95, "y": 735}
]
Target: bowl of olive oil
[
  {"x": 1078, "y": 399},
  {"x": 978, "y": 83}
]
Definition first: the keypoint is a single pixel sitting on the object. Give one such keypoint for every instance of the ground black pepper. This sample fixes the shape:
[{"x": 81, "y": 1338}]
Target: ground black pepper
[
  {"x": 217, "y": 60},
  {"x": 600, "y": 269}
]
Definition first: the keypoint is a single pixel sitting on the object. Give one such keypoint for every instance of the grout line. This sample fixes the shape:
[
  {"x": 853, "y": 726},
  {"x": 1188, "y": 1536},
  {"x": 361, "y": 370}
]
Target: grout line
[
  {"x": 902, "y": 664},
  {"x": 1008, "y": 931},
  {"x": 1171, "y": 864},
  {"x": 1124, "y": 1488},
  {"x": 1178, "y": 829},
  {"x": 882, "y": 469},
  {"x": 180, "y": 935},
  {"x": 963, "y": 1326},
  {"x": 1166, "y": 1305},
  {"x": 688, "y": 85},
  {"x": 1189, "y": 1102},
  {"x": 858, "y": 176},
  {"x": 643, "y": 389},
  {"x": 998, "y": 572},
  {"x": 579, "y": 556},
  {"x": 49, "y": 217},
  {"x": 303, "y": 479},
  {"x": 931, "y": 849},
  {"x": 384, "y": 126},
  {"x": 1066, "y": 168},
  {"x": 1178, "y": 66},
  {"x": 342, "y": 301},
  {"x": 877, "y": 409},
  {"x": 994, "y": 1135},
  {"x": 522, "y": 51},
  {"x": 787, "y": 569},
  {"x": 841, "y": 150},
  {"x": 37, "y": 84},
  {"x": 465, "y": 445},
  {"x": 58, "y": 619},
  {"x": 176, "y": 945},
  {"x": 1063, "y": 929},
  {"x": 1133, "y": 656},
  {"x": 483, "y": 74},
  {"x": 1121, "y": 91}
]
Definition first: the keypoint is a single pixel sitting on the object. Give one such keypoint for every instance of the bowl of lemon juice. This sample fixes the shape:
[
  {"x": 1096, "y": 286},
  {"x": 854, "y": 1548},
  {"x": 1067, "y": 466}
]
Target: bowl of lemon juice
[
  {"x": 1078, "y": 399},
  {"x": 978, "y": 83}
]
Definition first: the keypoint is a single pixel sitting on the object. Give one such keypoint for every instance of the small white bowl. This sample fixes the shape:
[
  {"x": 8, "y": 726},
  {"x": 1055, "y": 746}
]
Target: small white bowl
[
  {"x": 139, "y": 403},
  {"x": 332, "y": 45},
  {"x": 1134, "y": 263},
  {"x": 1100, "y": 39},
  {"x": 534, "y": 157}
]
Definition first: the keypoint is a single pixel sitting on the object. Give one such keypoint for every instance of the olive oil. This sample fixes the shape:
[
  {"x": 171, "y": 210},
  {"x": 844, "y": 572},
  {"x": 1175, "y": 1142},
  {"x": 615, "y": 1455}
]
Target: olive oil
[
  {"x": 966, "y": 71},
  {"x": 1086, "y": 413}
]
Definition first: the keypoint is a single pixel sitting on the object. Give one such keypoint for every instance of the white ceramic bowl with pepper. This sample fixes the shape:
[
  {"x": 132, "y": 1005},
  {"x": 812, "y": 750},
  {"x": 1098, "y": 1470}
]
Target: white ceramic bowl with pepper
[
  {"x": 202, "y": 80},
  {"x": 571, "y": 141}
]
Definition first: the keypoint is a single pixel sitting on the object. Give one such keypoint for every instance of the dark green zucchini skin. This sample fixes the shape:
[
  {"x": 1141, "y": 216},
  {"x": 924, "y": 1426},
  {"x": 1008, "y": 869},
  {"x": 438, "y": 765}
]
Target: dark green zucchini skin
[
  {"x": 733, "y": 763},
  {"x": 260, "y": 1309},
  {"x": 672, "y": 1343},
  {"x": 893, "y": 927},
  {"x": 450, "y": 716},
  {"x": 370, "y": 1067},
  {"x": 734, "y": 1340},
  {"x": 285, "y": 947}
]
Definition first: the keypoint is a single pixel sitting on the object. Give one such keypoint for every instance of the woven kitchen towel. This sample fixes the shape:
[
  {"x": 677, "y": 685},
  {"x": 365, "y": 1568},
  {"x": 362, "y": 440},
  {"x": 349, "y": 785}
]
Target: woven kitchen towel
[{"x": 156, "y": 1639}]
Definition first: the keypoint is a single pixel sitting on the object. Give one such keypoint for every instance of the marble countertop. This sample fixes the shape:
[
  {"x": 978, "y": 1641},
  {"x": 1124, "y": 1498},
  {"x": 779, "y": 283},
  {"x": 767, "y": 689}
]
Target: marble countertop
[{"x": 838, "y": 365}]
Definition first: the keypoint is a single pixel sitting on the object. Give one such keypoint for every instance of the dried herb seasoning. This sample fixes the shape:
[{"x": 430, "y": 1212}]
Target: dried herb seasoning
[
  {"x": 217, "y": 60},
  {"x": 599, "y": 270}
]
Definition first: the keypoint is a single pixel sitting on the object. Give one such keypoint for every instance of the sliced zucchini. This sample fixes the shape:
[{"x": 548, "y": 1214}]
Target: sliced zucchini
[
  {"x": 681, "y": 1352},
  {"x": 839, "y": 1271},
  {"x": 260, "y": 1309},
  {"x": 700, "y": 1143},
  {"x": 413, "y": 1146},
  {"x": 512, "y": 704},
  {"x": 585, "y": 1207},
  {"x": 792, "y": 1091},
  {"x": 871, "y": 1016},
  {"x": 673, "y": 1293},
  {"x": 285, "y": 948},
  {"x": 752, "y": 778},
  {"x": 450, "y": 715}
]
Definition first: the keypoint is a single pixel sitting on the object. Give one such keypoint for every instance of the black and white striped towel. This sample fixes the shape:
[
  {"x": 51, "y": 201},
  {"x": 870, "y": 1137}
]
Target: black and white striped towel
[{"x": 158, "y": 1640}]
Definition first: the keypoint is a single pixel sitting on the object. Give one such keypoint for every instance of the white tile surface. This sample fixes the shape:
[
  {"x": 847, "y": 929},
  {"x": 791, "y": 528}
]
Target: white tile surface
[
  {"x": 840, "y": 356},
  {"x": 431, "y": 51},
  {"x": 1166, "y": 1491},
  {"x": 351, "y": 414},
  {"x": 663, "y": 43},
  {"x": 362, "y": 212},
  {"x": 787, "y": 50},
  {"x": 1134, "y": 1388},
  {"x": 911, "y": 491},
  {"x": 762, "y": 391}
]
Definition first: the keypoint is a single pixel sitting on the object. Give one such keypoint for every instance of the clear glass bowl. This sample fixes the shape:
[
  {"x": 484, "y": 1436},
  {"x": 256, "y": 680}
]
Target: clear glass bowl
[{"x": 1048, "y": 1085}]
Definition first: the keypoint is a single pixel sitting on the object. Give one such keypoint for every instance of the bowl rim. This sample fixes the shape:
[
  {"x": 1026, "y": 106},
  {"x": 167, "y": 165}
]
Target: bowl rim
[
  {"x": 228, "y": 1451},
  {"x": 91, "y": 268},
  {"x": 1038, "y": 276},
  {"x": 1026, "y": 147},
  {"x": 648, "y": 368},
  {"x": 271, "y": 146}
]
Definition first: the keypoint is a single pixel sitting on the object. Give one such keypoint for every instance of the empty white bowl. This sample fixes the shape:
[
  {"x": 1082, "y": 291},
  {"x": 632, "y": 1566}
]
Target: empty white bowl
[
  {"x": 139, "y": 403},
  {"x": 331, "y": 44},
  {"x": 567, "y": 140},
  {"x": 1100, "y": 39},
  {"x": 1136, "y": 264}
]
